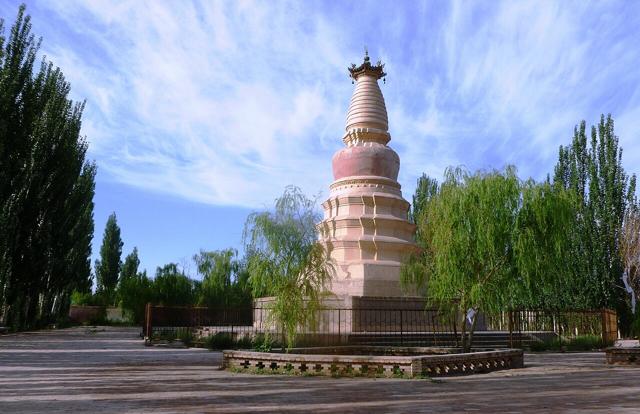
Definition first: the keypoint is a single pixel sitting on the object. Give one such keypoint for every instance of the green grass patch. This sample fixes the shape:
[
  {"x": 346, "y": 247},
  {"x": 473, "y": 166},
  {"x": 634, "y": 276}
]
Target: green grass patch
[
  {"x": 225, "y": 340},
  {"x": 578, "y": 343}
]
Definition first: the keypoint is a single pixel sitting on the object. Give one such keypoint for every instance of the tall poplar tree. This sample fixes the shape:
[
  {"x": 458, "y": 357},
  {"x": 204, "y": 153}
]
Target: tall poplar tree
[
  {"x": 426, "y": 188},
  {"x": 107, "y": 268},
  {"x": 591, "y": 168},
  {"x": 46, "y": 186},
  {"x": 130, "y": 265}
]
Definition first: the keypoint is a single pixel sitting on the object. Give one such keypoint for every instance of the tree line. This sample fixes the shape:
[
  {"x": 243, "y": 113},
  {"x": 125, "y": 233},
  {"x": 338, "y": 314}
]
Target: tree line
[
  {"x": 282, "y": 260},
  {"x": 223, "y": 280}
]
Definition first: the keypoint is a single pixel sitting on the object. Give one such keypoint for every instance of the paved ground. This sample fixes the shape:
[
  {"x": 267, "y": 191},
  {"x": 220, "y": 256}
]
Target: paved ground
[{"x": 75, "y": 370}]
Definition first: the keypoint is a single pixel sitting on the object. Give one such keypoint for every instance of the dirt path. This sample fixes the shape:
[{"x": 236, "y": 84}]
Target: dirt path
[{"x": 110, "y": 371}]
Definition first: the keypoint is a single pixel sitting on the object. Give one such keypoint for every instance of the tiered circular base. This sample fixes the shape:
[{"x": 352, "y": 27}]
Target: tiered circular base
[{"x": 367, "y": 234}]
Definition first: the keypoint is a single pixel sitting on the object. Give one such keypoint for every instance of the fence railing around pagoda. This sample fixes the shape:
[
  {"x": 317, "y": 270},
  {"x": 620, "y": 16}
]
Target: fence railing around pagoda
[{"x": 382, "y": 326}]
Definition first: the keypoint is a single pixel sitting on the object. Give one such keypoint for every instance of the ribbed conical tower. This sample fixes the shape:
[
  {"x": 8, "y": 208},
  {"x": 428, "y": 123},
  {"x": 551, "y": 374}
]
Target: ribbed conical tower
[{"x": 365, "y": 226}]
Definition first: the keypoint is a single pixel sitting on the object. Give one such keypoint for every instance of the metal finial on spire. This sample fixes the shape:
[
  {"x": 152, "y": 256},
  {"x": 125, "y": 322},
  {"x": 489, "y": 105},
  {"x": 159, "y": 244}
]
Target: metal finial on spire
[{"x": 367, "y": 67}]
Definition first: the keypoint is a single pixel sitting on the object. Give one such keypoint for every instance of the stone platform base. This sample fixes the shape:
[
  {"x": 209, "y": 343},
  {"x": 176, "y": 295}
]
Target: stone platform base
[
  {"x": 623, "y": 356},
  {"x": 357, "y": 314},
  {"x": 412, "y": 362}
]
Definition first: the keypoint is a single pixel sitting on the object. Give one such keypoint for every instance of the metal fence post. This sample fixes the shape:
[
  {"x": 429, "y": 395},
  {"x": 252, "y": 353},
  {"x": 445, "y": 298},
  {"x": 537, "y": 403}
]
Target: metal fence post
[
  {"x": 232, "y": 328},
  {"x": 148, "y": 326},
  {"x": 339, "y": 330},
  {"x": 401, "y": 329},
  {"x": 454, "y": 323},
  {"x": 510, "y": 329}
]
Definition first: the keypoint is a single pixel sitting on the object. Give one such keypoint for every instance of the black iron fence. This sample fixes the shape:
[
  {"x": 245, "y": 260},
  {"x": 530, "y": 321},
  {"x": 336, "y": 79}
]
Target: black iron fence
[
  {"x": 384, "y": 326},
  {"x": 564, "y": 324},
  {"x": 334, "y": 326}
]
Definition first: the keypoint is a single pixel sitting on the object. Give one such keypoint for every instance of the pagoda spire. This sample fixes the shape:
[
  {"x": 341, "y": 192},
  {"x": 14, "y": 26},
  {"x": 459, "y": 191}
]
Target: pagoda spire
[
  {"x": 366, "y": 68},
  {"x": 367, "y": 118}
]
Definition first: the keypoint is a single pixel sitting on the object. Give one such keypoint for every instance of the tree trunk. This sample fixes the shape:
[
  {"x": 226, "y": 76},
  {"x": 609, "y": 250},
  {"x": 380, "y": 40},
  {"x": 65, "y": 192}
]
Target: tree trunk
[{"x": 463, "y": 330}]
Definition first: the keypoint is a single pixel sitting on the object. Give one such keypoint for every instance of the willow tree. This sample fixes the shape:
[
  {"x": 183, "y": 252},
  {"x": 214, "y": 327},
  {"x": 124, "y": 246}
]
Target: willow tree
[
  {"x": 541, "y": 244},
  {"x": 171, "y": 287},
  {"x": 488, "y": 241},
  {"x": 224, "y": 278},
  {"x": 286, "y": 263}
]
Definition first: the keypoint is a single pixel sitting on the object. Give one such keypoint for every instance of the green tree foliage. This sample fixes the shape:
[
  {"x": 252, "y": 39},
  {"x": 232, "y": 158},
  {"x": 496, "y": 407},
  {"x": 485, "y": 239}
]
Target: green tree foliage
[
  {"x": 224, "y": 279},
  {"x": 107, "y": 268},
  {"x": 135, "y": 292},
  {"x": 171, "y": 287},
  {"x": 46, "y": 186},
  {"x": 426, "y": 188},
  {"x": 130, "y": 265},
  {"x": 135, "y": 289},
  {"x": 592, "y": 170},
  {"x": 489, "y": 243},
  {"x": 82, "y": 298},
  {"x": 286, "y": 262},
  {"x": 541, "y": 245}
]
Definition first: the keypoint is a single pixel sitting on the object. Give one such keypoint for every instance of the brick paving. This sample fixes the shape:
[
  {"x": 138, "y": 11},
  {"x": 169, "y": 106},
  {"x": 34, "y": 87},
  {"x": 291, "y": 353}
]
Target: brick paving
[{"x": 110, "y": 371}]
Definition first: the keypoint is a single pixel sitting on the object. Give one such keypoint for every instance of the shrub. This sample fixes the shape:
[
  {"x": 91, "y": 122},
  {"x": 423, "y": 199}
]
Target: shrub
[
  {"x": 185, "y": 335},
  {"x": 547, "y": 345},
  {"x": 134, "y": 293},
  {"x": 244, "y": 342},
  {"x": 164, "y": 335},
  {"x": 584, "y": 343},
  {"x": 263, "y": 343},
  {"x": 220, "y": 340},
  {"x": 579, "y": 343}
]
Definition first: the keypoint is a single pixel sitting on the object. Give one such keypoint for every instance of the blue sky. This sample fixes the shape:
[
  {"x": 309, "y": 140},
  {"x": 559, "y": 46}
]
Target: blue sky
[{"x": 200, "y": 112}]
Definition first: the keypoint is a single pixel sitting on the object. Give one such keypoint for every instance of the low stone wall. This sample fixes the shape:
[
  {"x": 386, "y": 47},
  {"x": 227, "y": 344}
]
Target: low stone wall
[
  {"x": 115, "y": 315},
  {"x": 85, "y": 314},
  {"x": 367, "y": 365},
  {"x": 623, "y": 356}
]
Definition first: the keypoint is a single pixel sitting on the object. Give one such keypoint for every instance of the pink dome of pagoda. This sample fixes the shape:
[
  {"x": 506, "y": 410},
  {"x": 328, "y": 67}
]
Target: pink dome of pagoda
[{"x": 372, "y": 160}]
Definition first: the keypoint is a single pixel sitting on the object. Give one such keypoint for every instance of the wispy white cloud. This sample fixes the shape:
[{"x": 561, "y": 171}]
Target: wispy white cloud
[
  {"x": 228, "y": 102},
  {"x": 511, "y": 79}
]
